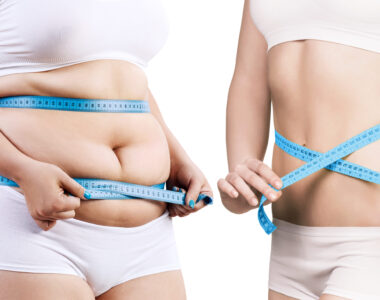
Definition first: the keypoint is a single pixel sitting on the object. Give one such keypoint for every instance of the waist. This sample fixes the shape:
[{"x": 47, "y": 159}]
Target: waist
[
  {"x": 128, "y": 147},
  {"x": 329, "y": 198}
]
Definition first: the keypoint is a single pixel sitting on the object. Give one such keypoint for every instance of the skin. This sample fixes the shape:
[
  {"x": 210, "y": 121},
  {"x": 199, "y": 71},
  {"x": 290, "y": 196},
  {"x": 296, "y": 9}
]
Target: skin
[
  {"x": 322, "y": 93},
  {"x": 60, "y": 145}
]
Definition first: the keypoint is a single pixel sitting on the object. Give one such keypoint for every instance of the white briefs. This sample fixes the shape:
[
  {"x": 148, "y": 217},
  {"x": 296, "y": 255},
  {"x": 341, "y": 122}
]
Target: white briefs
[
  {"x": 104, "y": 256},
  {"x": 309, "y": 261}
]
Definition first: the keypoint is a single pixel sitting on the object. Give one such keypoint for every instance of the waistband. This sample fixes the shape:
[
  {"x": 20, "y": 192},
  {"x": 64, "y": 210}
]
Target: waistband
[
  {"x": 337, "y": 231},
  {"x": 75, "y": 104}
]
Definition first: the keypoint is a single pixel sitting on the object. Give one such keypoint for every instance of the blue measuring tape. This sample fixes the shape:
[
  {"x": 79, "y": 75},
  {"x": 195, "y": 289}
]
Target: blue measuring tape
[
  {"x": 76, "y": 104},
  {"x": 101, "y": 188},
  {"x": 316, "y": 160}
]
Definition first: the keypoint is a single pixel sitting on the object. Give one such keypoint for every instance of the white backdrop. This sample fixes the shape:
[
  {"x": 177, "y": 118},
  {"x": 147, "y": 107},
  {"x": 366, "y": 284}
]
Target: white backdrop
[{"x": 223, "y": 256}]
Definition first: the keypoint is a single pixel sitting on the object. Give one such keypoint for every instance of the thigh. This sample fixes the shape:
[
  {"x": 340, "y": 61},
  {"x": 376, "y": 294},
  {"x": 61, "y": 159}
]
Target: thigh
[
  {"x": 43, "y": 286},
  {"x": 331, "y": 297},
  {"x": 161, "y": 286},
  {"x": 272, "y": 295}
]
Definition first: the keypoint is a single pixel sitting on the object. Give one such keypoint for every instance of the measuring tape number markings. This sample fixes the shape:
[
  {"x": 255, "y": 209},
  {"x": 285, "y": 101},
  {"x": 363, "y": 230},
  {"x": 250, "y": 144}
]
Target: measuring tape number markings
[
  {"x": 101, "y": 188},
  {"x": 316, "y": 161}
]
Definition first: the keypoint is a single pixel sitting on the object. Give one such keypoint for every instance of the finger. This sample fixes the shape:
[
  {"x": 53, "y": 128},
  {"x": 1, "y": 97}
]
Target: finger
[
  {"x": 265, "y": 171},
  {"x": 181, "y": 210},
  {"x": 258, "y": 183},
  {"x": 241, "y": 186},
  {"x": 172, "y": 211},
  {"x": 73, "y": 187},
  {"x": 193, "y": 193},
  {"x": 63, "y": 215},
  {"x": 225, "y": 187},
  {"x": 44, "y": 224},
  {"x": 63, "y": 208},
  {"x": 181, "y": 190}
]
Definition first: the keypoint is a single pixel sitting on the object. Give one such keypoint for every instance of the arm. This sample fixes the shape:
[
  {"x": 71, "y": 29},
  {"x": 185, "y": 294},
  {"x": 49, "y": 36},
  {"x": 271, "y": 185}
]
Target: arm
[
  {"x": 183, "y": 172},
  {"x": 12, "y": 161},
  {"x": 43, "y": 193},
  {"x": 248, "y": 121}
]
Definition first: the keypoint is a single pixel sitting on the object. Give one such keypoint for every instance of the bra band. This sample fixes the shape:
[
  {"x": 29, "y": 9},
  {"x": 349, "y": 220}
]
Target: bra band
[
  {"x": 97, "y": 189},
  {"x": 316, "y": 160},
  {"x": 76, "y": 104}
]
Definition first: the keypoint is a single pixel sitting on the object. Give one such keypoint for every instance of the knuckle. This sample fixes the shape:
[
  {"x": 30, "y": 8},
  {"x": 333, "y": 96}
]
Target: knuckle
[
  {"x": 41, "y": 212},
  {"x": 250, "y": 161},
  {"x": 57, "y": 204},
  {"x": 238, "y": 168},
  {"x": 260, "y": 166},
  {"x": 233, "y": 177},
  {"x": 252, "y": 178}
]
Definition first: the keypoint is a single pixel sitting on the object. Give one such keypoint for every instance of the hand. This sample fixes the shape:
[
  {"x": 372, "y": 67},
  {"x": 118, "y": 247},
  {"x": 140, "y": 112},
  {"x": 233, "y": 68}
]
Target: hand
[
  {"x": 44, "y": 186},
  {"x": 243, "y": 187},
  {"x": 188, "y": 177}
]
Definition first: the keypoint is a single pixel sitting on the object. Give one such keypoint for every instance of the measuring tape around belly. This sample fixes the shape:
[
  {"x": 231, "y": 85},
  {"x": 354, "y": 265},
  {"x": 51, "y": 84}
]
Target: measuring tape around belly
[
  {"x": 98, "y": 189},
  {"x": 76, "y": 104},
  {"x": 316, "y": 161},
  {"x": 101, "y": 188}
]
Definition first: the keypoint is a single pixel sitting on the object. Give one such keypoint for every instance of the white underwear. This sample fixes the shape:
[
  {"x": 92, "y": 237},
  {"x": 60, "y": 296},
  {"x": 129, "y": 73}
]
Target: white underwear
[
  {"x": 104, "y": 256},
  {"x": 307, "y": 262}
]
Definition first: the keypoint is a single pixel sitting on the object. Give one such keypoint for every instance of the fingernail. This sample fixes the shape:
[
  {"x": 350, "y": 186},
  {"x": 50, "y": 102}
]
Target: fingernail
[
  {"x": 278, "y": 184},
  {"x": 87, "y": 195},
  {"x": 191, "y": 203},
  {"x": 254, "y": 201},
  {"x": 235, "y": 194},
  {"x": 272, "y": 196}
]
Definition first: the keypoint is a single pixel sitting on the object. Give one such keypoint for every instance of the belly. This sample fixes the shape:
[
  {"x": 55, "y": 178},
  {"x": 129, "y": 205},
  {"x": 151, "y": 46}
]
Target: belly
[
  {"x": 323, "y": 94},
  {"x": 125, "y": 147}
]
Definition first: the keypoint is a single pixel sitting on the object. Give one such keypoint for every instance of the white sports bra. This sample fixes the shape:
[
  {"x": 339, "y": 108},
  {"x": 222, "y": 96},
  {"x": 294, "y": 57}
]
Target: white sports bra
[
  {"x": 350, "y": 22},
  {"x": 42, "y": 35}
]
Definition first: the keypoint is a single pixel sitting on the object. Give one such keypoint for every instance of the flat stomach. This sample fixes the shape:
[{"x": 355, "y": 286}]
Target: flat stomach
[
  {"x": 125, "y": 147},
  {"x": 324, "y": 93}
]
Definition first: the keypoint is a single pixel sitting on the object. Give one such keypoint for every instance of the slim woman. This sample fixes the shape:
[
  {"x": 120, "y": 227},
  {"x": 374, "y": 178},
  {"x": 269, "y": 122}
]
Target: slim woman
[
  {"x": 318, "y": 62},
  {"x": 56, "y": 244}
]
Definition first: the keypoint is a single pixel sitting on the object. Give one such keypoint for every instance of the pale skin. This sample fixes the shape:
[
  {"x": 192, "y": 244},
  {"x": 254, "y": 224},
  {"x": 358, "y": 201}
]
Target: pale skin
[
  {"x": 322, "y": 93},
  {"x": 61, "y": 145}
]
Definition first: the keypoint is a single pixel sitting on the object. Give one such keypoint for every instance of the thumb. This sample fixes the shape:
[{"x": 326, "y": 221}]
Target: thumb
[{"x": 73, "y": 187}]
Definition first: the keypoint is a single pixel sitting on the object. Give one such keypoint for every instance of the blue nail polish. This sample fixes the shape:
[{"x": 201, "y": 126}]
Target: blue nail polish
[
  {"x": 87, "y": 195},
  {"x": 191, "y": 203}
]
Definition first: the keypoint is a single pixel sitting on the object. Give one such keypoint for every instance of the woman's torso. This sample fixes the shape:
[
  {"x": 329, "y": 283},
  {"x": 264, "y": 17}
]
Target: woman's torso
[
  {"x": 91, "y": 49},
  {"x": 117, "y": 146},
  {"x": 324, "y": 93}
]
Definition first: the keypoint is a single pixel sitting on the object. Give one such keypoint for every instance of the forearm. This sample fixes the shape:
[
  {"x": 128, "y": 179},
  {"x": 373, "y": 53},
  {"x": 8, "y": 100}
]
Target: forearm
[
  {"x": 12, "y": 161},
  {"x": 248, "y": 120},
  {"x": 177, "y": 153}
]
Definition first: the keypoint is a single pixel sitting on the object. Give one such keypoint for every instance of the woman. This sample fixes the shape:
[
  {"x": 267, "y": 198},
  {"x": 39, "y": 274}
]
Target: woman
[
  {"x": 319, "y": 63},
  {"x": 57, "y": 246}
]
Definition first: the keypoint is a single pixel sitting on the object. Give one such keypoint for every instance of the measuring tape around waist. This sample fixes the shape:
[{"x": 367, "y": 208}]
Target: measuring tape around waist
[
  {"x": 101, "y": 188},
  {"x": 98, "y": 189},
  {"x": 330, "y": 160},
  {"x": 75, "y": 104}
]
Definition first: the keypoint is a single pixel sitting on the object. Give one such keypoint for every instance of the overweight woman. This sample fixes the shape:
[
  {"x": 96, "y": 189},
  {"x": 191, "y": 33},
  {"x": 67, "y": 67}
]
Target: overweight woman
[
  {"x": 55, "y": 243},
  {"x": 318, "y": 63}
]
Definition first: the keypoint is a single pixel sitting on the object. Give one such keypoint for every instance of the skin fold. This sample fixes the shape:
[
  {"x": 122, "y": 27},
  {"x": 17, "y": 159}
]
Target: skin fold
[
  {"x": 42, "y": 150},
  {"x": 322, "y": 94}
]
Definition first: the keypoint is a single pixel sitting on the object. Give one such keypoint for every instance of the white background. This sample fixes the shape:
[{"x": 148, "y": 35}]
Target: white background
[{"x": 223, "y": 256}]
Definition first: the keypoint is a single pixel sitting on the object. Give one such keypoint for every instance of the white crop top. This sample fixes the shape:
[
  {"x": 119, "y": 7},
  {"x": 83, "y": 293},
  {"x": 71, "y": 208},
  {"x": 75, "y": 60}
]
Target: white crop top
[
  {"x": 350, "y": 22},
  {"x": 42, "y": 35}
]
